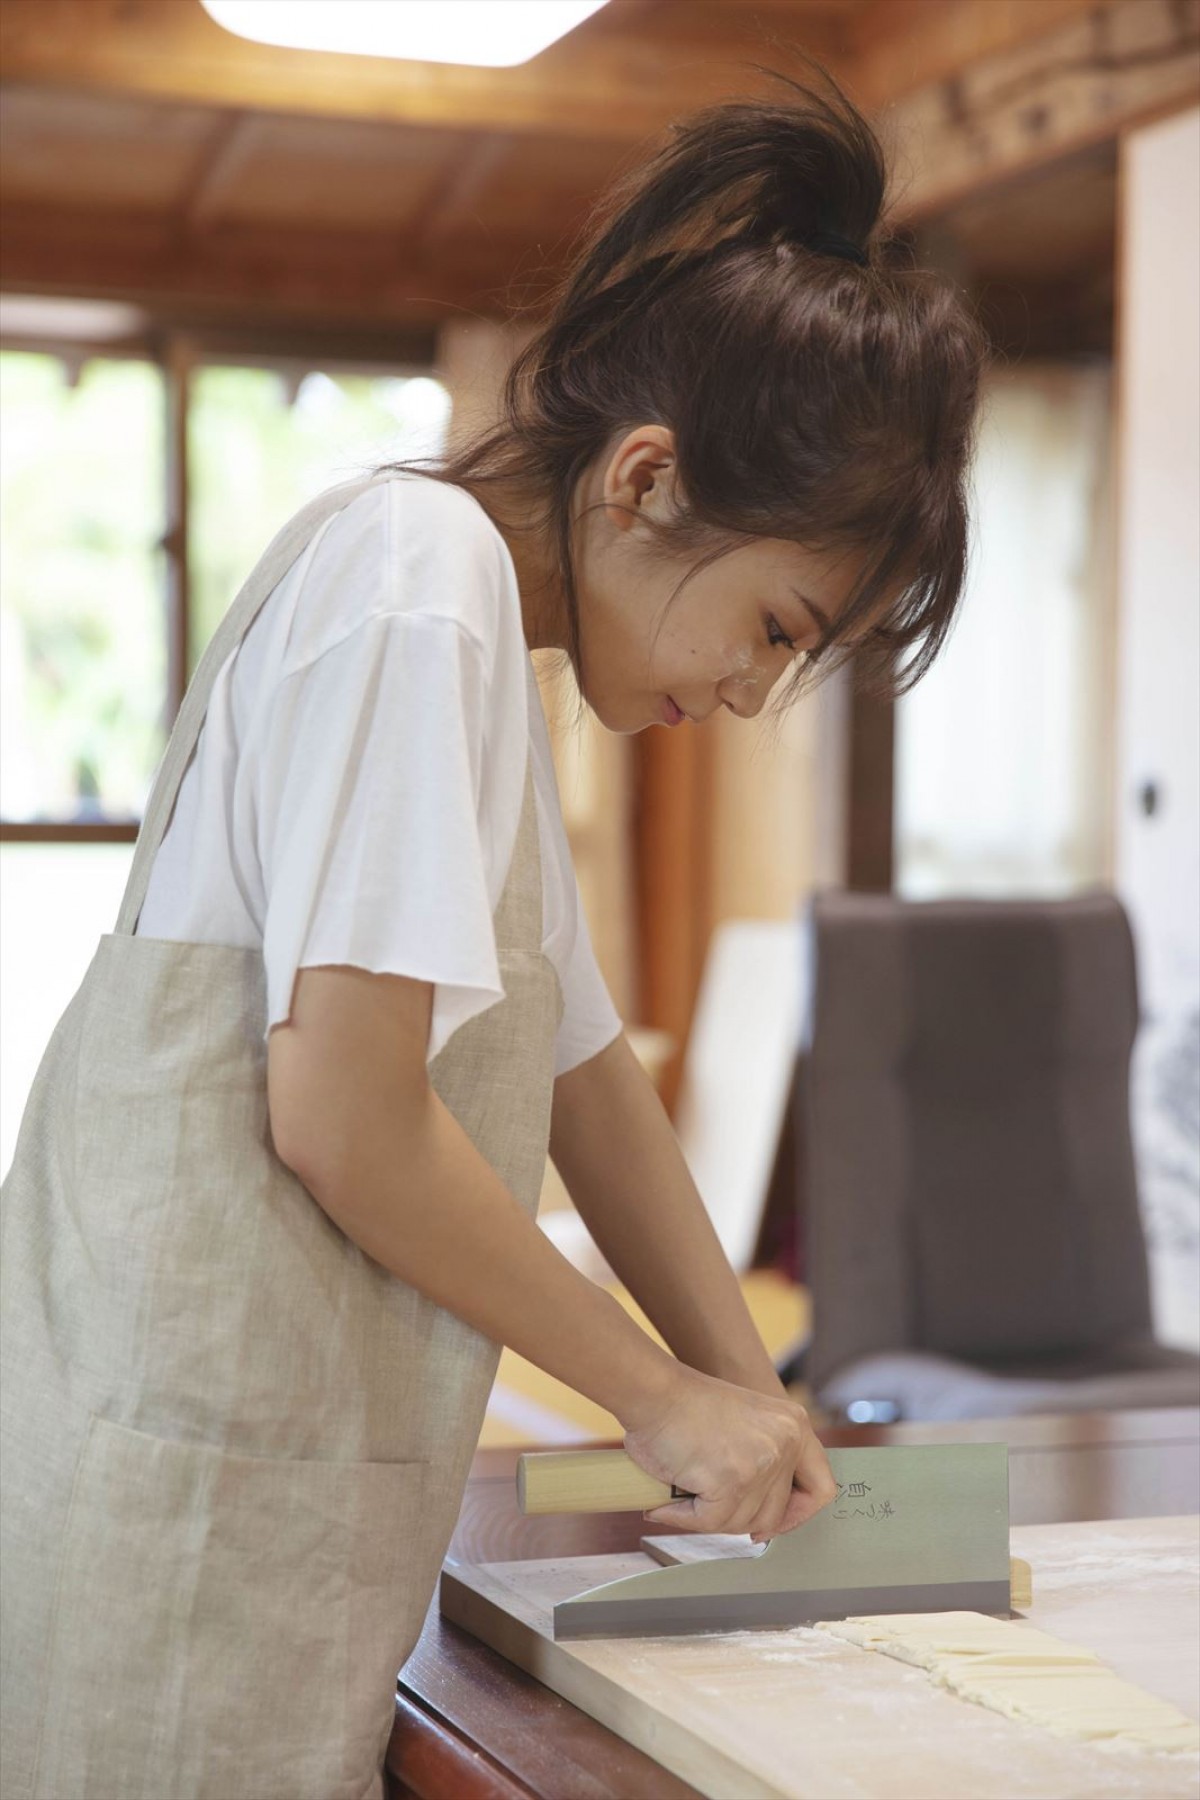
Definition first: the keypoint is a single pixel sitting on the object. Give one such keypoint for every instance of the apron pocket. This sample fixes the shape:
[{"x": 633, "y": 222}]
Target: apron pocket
[{"x": 227, "y": 1625}]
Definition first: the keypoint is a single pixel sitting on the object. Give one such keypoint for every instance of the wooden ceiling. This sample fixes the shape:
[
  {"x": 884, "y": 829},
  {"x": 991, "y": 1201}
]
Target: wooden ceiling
[{"x": 149, "y": 155}]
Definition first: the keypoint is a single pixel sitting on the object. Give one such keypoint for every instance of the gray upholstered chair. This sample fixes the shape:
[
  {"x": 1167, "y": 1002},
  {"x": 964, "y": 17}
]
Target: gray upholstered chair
[{"x": 970, "y": 1224}]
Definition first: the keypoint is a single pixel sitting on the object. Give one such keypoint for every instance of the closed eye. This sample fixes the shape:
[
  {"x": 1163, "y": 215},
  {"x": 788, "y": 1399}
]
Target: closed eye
[{"x": 773, "y": 625}]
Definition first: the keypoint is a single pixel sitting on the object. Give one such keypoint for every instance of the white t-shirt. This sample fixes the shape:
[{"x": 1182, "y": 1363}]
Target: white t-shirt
[{"x": 357, "y": 785}]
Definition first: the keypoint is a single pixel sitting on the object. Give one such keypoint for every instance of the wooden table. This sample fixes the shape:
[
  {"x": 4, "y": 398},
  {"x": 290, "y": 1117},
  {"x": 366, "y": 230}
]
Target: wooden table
[{"x": 471, "y": 1726}]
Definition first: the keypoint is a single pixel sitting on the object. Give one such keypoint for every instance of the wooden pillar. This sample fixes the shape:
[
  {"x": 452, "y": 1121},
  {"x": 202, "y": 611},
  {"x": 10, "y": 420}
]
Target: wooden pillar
[
  {"x": 472, "y": 361},
  {"x": 182, "y": 655},
  {"x": 870, "y": 799}
]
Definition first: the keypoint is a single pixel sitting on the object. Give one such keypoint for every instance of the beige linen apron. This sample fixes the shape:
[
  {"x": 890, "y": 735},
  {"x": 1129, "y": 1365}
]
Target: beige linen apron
[{"x": 232, "y": 1446}]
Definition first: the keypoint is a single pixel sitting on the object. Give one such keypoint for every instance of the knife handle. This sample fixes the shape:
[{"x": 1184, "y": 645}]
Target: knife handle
[{"x": 576, "y": 1481}]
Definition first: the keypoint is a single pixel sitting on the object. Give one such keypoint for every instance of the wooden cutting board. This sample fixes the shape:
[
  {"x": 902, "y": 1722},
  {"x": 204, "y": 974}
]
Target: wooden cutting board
[{"x": 798, "y": 1714}]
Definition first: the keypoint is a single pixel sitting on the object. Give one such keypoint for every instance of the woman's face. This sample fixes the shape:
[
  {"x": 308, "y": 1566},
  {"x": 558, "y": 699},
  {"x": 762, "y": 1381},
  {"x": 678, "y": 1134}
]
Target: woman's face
[{"x": 736, "y": 627}]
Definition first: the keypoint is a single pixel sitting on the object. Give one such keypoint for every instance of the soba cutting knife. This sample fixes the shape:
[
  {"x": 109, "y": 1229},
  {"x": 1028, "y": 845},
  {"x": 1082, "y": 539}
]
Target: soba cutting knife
[{"x": 914, "y": 1528}]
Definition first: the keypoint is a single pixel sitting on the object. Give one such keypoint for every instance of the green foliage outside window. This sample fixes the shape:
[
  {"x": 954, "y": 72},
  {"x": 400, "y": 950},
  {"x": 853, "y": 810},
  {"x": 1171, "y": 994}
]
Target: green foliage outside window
[{"x": 82, "y": 625}]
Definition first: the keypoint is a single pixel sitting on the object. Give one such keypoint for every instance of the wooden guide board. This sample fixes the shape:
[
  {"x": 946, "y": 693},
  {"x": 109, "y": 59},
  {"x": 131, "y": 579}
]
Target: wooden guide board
[{"x": 799, "y": 1715}]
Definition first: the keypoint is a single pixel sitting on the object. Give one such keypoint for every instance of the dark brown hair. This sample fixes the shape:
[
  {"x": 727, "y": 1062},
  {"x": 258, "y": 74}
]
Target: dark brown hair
[{"x": 738, "y": 289}]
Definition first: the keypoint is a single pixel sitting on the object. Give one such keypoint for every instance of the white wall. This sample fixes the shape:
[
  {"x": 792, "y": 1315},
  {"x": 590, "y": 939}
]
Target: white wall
[
  {"x": 56, "y": 901},
  {"x": 1157, "y": 855}
]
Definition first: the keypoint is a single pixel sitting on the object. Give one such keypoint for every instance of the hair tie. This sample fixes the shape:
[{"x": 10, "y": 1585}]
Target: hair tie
[{"x": 831, "y": 244}]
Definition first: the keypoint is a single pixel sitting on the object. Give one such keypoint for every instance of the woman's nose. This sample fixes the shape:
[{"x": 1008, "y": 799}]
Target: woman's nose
[{"x": 745, "y": 695}]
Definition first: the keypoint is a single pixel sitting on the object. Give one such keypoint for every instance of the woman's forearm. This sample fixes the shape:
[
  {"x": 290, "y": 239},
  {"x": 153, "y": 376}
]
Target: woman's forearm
[
  {"x": 615, "y": 1148},
  {"x": 414, "y": 1193}
]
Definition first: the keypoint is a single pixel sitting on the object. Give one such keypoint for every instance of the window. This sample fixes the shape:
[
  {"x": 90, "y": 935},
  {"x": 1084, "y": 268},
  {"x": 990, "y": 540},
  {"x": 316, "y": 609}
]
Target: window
[{"x": 85, "y": 552}]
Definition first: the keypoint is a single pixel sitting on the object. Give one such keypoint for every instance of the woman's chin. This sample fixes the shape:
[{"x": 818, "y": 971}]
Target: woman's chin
[
  {"x": 620, "y": 720},
  {"x": 624, "y": 717}
]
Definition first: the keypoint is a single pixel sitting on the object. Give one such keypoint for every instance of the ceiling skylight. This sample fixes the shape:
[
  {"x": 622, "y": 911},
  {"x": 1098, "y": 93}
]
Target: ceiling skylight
[{"x": 495, "y": 34}]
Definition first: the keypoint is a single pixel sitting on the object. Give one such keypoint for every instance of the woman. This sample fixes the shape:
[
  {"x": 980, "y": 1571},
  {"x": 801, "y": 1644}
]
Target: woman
[{"x": 272, "y": 1208}]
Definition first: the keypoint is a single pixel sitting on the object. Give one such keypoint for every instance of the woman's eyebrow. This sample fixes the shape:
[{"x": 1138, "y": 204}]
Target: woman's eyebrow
[{"x": 823, "y": 619}]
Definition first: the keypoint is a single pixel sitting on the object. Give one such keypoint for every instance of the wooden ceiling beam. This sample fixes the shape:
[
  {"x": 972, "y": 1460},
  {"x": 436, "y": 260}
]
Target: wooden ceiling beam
[
  {"x": 896, "y": 46},
  {"x": 1032, "y": 106},
  {"x": 619, "y": 87},
  {"x": 226, "y": 158},
  {"x": 252, "y": 272},
  {"x": 452, "y": 198}
]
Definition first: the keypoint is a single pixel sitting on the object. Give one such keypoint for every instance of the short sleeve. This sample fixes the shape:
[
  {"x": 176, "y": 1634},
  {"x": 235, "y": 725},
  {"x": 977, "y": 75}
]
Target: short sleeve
[
  {"x": 366, "y": 794},
  {"x": 590, "y": 1021}
]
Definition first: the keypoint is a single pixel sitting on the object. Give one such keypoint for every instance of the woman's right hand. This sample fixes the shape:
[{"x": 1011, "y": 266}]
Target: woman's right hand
[{"x": 752, "y": 1462}]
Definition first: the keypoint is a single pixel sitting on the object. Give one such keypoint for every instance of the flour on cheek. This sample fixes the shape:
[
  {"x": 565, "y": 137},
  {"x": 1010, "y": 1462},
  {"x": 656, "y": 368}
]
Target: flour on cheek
[{"x": 744, "y": 670}]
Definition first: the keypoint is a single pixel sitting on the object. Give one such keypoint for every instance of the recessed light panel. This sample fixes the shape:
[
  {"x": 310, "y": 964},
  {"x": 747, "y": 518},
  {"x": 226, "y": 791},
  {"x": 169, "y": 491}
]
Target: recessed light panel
[{"x": 495, "y": 34}]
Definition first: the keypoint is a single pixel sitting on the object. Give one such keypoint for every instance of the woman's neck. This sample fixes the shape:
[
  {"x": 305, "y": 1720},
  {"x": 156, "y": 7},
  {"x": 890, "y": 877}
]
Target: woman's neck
[{"x": 518, "y": 519}]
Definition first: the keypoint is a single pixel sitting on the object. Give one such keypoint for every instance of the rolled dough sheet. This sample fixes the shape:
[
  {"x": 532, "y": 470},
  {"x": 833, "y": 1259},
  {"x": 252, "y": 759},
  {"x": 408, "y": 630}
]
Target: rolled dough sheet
[{"x": 1025, "y": 1674}]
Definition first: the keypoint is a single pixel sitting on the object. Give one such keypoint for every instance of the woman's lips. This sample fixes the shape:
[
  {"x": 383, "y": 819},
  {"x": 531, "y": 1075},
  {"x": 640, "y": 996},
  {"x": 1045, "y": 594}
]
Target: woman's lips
[{"x": 672, "y": 713}]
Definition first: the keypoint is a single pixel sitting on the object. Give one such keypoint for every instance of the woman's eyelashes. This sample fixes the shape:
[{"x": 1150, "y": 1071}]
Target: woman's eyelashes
[{"x": 773, "y": 625}]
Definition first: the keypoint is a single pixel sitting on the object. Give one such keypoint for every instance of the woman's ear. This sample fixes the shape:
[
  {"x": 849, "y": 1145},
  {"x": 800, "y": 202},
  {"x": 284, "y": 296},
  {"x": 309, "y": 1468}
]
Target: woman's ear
[{"x": 640, "y": 480}]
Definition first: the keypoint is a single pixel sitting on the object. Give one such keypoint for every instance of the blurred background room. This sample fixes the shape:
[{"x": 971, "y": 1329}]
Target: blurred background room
[{"x": 236, "y": 272}]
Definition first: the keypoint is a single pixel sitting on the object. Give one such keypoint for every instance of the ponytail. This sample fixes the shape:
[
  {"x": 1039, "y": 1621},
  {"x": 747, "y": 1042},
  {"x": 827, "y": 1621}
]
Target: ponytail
[{"x": 748, "y": 171}]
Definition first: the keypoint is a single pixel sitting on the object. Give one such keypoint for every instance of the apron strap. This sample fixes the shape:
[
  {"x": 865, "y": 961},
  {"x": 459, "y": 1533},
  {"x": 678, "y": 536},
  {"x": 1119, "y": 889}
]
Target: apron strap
[{"x": 272, "y": 566}]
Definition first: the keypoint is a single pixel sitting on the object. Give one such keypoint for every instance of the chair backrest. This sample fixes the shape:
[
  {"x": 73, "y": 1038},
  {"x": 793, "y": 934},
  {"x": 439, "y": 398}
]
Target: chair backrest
[{"x": 967, "y": 1166}]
